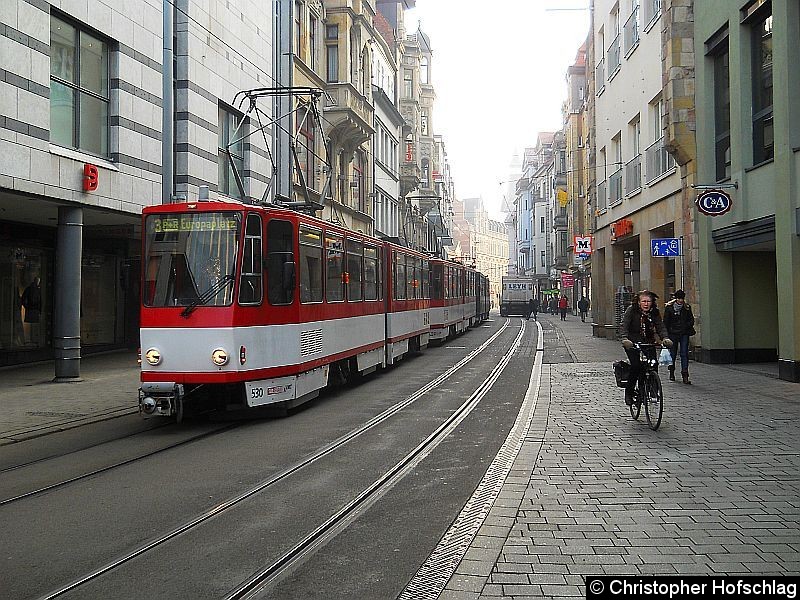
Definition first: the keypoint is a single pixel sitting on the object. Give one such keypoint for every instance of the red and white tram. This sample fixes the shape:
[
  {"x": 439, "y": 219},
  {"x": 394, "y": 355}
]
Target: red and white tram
[{"x": 245, "y": 306}]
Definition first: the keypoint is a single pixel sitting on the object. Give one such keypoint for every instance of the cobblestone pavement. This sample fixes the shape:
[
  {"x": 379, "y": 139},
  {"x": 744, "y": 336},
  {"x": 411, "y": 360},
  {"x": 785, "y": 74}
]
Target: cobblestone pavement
[{"x": 716, "y": 490}]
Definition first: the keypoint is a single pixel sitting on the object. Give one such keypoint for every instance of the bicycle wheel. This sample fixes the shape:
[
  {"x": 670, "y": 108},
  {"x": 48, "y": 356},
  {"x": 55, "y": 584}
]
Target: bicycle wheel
[
  {"x": 654, "y": 400},
  {"x": 636, "y": 406}
]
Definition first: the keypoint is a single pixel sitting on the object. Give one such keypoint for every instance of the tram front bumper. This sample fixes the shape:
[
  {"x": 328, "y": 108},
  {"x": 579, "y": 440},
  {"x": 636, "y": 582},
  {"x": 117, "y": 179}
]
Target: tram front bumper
[{"x": 160, "y": 398}]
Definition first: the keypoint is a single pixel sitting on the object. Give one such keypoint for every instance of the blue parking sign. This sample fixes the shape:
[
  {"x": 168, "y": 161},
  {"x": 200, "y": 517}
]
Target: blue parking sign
[{"x": 666, "y": 247}]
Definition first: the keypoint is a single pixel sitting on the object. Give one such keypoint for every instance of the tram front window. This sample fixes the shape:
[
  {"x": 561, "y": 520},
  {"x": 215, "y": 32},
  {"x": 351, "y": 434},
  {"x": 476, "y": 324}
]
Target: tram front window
[{"x": 190, "y": 257}]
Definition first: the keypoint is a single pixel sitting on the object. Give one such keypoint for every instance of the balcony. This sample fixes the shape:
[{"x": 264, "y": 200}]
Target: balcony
[
  {"x": 600, "y": 76},
  {"x": 615, "y": 187},
  {"x": 613, "y": 57},
  {"x": 632, "y": 31},
  {"x": 560, "y": 220},
  {"x": 349, "y": 114},
  {"x": 633, "y": 175},
  {"x": 657, "y": 160}
]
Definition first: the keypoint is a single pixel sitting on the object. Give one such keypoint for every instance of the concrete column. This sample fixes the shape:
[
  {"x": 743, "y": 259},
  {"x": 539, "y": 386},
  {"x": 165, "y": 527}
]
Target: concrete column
[{"x": 67, "y": 310}]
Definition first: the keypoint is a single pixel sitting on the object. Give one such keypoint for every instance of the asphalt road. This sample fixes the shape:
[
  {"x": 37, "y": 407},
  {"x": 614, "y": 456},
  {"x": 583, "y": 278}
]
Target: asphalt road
[{"x": 52, "y": 538}]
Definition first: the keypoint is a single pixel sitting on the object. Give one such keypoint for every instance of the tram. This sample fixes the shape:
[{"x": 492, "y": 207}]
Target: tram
[{"x": 245, "y": 306}]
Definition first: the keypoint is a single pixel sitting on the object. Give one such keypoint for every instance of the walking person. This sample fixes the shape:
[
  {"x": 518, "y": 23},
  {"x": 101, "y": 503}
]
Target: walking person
[
  {"x": 679, "y": 321},
  {"x": 563, "y": 305},
  {"x": 534, "y": 306},
  {"x": 583, "y": 308},
  {"x": 641, "y": 323}
]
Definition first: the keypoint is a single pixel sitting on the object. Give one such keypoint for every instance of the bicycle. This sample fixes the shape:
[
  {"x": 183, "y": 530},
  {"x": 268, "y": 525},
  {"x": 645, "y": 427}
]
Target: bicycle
[{"x": 648, "y": 390}]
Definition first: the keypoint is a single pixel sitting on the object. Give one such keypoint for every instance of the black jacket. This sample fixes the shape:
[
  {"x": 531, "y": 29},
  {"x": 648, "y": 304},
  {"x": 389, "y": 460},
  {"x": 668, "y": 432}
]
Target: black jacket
[
  {"x": 680, "y": 323},
  {"x": 631, "y": 326}
]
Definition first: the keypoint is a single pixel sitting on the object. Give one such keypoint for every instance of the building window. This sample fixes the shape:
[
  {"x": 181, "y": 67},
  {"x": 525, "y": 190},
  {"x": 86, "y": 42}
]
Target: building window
[
  {"x": 332, "y": 72},
  {"x": 408, "y": 84},
  {"x": 228, "y": 123},
  {"x": 424, "y": 123},
  {"x": 722, "y": 109},
  {"x": 424, "y": 70},
  {"x": 305, "y": 146},
  {"x": 763, "y": 127},
  {"x": 544, "y": 258},
  {"x": 79, "y": 99},
  {"x": 298, "y": 28},
  {"x": 541, "y": 225},
  {"x": 331, "y": 32},
  {"x": 359, "y": 191},
  {"x": 312, "y": 41}
]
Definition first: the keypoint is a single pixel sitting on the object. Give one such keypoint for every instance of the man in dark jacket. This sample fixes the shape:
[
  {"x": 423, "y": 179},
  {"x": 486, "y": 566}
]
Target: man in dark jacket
[
  {"x": 583, "y": 307},
  {"x": 679, "y": 321},
  {"x": 641, "y": 323}
]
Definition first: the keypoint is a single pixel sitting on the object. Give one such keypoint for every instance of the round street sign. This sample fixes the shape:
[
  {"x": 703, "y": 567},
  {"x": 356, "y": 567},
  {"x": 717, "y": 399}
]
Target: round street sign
[{"x": 713, "y": 203}]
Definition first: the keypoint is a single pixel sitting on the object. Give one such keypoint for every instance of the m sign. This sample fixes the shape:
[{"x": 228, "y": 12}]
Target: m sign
[{"x": 583, "y": 244}]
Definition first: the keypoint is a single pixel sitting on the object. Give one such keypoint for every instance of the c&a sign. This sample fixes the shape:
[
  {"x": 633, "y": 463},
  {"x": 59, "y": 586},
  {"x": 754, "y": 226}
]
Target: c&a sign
[{"x": 621, "y": 228}]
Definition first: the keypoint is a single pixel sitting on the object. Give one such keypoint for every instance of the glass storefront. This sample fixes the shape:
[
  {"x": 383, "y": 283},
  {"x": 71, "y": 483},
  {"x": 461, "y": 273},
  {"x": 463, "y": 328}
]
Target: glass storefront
[
  {"x": 25, "y": 292},
  {"x": 99, "y": 299}
]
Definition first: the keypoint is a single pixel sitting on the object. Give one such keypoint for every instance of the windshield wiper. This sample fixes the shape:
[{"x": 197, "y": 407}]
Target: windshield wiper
[{"x": 208, "y": 294}]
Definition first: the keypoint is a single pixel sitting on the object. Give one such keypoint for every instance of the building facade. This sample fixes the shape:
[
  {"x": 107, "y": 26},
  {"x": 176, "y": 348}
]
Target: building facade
[
  {"x": 80, "y": 155},
  {"x": 638, "y": 184},
  {"x": 748, "y": 144}
]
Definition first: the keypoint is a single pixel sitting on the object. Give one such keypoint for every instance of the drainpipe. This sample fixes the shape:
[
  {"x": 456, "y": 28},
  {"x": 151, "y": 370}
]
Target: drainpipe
[{"x": 168, "y": 105}]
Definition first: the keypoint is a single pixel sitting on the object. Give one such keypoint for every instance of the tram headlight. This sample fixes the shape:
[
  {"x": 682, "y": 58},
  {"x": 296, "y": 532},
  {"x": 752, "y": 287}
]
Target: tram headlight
[
  {"x": 153, "y": 356},
  {"x": 219, "y": 357}
]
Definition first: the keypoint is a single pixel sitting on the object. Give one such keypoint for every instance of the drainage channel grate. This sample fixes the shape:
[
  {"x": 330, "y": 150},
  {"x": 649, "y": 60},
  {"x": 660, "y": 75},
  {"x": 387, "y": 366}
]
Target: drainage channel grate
[{"x": 433, "y": 575}]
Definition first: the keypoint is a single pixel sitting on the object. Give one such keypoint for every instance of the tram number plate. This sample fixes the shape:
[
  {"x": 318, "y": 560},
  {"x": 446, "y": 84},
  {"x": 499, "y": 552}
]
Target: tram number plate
[{"x": 267, "y": 391}]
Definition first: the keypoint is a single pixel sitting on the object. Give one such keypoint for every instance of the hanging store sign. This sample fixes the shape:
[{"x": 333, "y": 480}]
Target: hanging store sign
[
  {"x": 567, "y": 280},
  {"x": 714, "y": 203},
  {"x": 409, "y": 151},
  {"x": 621, "y": 228},
  {"x": 582, "y": 246}
]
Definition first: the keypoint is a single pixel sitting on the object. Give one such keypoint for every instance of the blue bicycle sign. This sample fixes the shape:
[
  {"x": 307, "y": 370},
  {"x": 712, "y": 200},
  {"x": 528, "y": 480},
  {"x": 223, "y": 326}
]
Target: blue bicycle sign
[
  {"x": 666, "y": 247},
  {"x": 713, "y": 203}
]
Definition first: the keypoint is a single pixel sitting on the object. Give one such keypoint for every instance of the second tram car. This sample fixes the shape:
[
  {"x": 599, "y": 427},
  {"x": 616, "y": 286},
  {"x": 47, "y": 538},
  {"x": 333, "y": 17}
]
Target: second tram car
[{"x": 246, "y": 306}]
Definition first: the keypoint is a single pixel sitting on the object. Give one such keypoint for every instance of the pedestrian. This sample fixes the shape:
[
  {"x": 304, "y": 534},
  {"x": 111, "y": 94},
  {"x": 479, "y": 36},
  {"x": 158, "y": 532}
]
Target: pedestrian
[
  {"x": 641, "y": 323},
  {"x": 583, "y": 307},
  {"x": 553, "y": 304},
  {"x": 563, "y": 305},
  {"x": 534, "y": 305},
  {"x": 679, "y": 321}
]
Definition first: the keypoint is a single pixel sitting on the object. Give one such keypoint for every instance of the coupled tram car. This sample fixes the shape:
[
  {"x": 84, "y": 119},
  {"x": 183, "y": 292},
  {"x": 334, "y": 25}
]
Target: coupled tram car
[{"x": 245, "y": 306}]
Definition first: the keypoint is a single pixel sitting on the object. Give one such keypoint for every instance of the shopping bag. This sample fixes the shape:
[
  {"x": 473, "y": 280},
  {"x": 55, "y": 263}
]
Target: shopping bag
[{"x": 665, "y": 358}]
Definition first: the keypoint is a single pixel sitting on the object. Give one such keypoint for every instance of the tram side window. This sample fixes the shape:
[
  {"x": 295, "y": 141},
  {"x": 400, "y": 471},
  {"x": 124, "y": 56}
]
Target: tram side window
[
  {"x": 334, "y": 268},
  {"x": 371, "y": 273},
  {"x": 250, "y": 288},
  {"x": 355, "y": 259},
  {"x": 437, "y": 272},
  {"x": 280, "y": 262},
  {"x": 310, "y": 265},
  {"x": 425, "y": 279},
  {"x": 413, "y": 277},
  {"x": 399, "y": 276}
]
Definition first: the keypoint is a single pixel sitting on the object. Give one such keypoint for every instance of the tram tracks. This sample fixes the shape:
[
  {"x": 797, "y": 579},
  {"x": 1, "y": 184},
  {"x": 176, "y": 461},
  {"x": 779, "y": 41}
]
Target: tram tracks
[
  {"x": 115, "y": 465},
  {"x": 343, "y": 516}
]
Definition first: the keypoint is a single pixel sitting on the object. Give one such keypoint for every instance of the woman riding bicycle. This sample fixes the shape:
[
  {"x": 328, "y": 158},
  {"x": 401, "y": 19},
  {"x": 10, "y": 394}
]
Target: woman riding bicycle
[{"x": 641, "y": 324}]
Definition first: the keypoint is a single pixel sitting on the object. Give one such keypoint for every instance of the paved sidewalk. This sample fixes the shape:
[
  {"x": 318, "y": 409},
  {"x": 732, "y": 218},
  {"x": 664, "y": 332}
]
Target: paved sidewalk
[
  {"x": 32, "y": 405},
  {"x": 714, "y": 491}
]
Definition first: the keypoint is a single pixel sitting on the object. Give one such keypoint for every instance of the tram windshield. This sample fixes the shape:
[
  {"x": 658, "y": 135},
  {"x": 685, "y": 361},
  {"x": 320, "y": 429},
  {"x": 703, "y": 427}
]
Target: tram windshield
[{"x": 190, "y": 258}]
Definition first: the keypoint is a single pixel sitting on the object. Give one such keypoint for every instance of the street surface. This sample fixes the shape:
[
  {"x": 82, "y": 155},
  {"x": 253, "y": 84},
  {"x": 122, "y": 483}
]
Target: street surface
[{"x": 715, "y": 490}]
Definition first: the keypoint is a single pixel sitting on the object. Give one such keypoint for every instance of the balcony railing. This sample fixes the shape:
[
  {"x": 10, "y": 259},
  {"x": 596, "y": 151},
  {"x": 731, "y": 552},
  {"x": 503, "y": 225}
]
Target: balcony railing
[
  {"x": 632, "y": 30},
  {"x": 602, "y": 199},
  {"x": 613, "y": 56},
  {"x": 600, "y": 76},
  {"x": 658, "y": 160},
  {"x": 615, "y": 187},
  {"x": 633, "y": 175}
]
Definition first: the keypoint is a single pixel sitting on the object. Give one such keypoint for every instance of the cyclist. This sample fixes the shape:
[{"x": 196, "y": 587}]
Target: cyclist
[{"x": 641, "y": 323}]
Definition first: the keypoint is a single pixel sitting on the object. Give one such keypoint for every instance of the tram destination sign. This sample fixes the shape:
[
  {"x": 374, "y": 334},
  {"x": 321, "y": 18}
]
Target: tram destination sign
[{"x": 713, "y": 203}]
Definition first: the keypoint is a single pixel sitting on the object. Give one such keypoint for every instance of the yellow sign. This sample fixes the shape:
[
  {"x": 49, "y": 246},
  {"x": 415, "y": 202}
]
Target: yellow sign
[{"x": 563, "y": 199}]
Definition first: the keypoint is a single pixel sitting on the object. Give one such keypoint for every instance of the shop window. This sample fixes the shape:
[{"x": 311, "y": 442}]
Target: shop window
[
  {"x": 79, "y": 97},
  {"x": 24, "y": 298}
]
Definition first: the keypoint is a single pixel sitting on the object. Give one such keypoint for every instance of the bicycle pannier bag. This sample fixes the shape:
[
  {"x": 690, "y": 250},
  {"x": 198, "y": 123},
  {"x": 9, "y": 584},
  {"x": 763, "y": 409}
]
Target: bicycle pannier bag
[{"x": 622, "y": 369}]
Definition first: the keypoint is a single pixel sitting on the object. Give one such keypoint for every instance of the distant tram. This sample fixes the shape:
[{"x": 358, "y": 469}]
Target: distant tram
[{"x": 246, "y": 306}]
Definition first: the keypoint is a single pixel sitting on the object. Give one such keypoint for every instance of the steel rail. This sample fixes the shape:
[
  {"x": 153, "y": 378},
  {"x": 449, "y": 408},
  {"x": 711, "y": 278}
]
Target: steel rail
[
  {"x": 310, "y": 459},
  {"x": 334, "y": 524},
  {"x": 122, "y": 463}
]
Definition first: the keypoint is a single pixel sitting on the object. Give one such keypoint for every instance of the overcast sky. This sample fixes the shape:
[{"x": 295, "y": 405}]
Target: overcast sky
[{"x": 499, "y": 74}]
